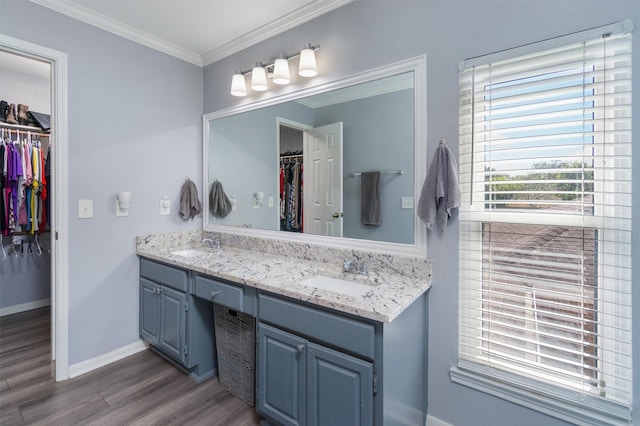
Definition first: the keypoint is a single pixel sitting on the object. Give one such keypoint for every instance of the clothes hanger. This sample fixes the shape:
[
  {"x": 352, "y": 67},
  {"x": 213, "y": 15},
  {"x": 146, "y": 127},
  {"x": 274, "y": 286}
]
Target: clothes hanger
[
  {"x": 38, "y": 248},
  {"x": 2, "y": 252}
]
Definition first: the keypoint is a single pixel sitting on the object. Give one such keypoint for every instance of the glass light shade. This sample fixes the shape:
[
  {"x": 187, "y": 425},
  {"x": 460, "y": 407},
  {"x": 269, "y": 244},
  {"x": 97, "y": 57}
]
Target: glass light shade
[
  {"x": 259, "y": 79},
  {"x": 307, "y": 67},
  {"x": 281, "y": 71},
  {"x": 238, "y": 85}
]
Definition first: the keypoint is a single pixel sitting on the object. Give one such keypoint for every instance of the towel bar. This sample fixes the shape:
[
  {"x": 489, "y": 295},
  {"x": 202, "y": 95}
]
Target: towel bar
[{"x": 384, "y": 172}]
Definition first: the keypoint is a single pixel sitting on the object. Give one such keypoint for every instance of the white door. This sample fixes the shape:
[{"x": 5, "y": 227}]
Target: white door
[{"x": 322, "y": 208}]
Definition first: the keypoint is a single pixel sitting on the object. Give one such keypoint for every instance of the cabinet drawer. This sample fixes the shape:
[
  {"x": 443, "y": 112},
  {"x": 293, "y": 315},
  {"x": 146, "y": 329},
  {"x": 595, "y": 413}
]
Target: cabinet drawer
[
  {"x": 335, "y": 329},
  {"x": 164, "y": 274},
  {"x": 222, "y": 293}
]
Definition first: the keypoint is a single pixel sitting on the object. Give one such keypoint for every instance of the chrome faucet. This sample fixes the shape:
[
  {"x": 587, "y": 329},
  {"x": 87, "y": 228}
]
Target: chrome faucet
[
  {"x": 353, "y": 267},
  {"x": 348, "y": 266},
  {"x": 214, "y": 244}
]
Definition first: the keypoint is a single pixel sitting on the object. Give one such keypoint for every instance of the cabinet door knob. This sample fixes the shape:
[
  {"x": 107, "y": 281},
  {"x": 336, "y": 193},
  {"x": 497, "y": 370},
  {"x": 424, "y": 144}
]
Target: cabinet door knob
[
  {"x": 300, "y": 347},
  {"x": 214, "y": 294}
]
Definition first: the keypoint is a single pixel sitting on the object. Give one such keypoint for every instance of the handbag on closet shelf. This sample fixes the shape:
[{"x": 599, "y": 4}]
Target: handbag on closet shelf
[{"x": 42, "y": 120}]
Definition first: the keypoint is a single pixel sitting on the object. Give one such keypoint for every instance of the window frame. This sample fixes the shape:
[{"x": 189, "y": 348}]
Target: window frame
[{"x": 553, "y": 400}]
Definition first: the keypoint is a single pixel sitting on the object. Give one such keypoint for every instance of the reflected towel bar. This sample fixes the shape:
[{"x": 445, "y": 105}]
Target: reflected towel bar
[{"x": 384, "y": 172}]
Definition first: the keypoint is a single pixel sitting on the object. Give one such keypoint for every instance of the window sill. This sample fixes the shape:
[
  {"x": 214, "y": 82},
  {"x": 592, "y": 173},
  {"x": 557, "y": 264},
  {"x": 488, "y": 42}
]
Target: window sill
[{"x": 562, "y": 408}]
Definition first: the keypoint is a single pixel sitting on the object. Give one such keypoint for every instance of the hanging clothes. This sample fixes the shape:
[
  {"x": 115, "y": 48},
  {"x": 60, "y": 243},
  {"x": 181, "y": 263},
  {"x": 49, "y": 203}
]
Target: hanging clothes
[
  {"x": 291, "y": 193},
  {"x": 23, "y": 183}
]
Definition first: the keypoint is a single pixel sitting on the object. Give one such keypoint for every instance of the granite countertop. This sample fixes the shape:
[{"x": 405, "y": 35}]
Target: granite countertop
[{"x": 391, "y": 291}]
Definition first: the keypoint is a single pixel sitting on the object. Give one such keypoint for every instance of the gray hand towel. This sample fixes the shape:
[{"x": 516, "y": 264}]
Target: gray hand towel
[
  {"x": 440, "y": 191},
  {"x": 189, "y": 203},
  {"x": 370, "y": 213},
  {"x": 219, "y": 203}
]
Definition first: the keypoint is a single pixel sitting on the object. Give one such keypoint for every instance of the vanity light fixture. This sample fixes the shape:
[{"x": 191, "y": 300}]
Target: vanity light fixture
[
  {"x": 238, "y": 85},
  {"x": 307, "y": 66},
  {"x": 259, "y": 78},
  {"x": 277, "y": 70},
  {"x": 281, "y": 71}
]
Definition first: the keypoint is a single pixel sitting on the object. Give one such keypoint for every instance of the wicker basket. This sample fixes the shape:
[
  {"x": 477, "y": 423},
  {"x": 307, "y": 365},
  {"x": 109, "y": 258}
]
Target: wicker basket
[{"x": 236, "y": 349}]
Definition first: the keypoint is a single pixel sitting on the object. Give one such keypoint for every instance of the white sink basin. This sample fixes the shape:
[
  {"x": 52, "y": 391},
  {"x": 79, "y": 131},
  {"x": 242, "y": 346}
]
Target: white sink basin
[
  {"x": 337, "y": 285},
  {"x": 191, "y": 253}
]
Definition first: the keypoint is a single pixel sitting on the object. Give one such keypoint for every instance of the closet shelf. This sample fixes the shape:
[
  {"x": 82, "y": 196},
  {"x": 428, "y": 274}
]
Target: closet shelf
[{"x": 34, "y": 130}]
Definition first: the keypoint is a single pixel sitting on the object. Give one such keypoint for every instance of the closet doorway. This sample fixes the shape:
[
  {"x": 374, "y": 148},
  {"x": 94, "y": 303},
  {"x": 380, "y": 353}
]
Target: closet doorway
[
  {"x": 56, "y": 245},
  {"x": 310, "y": 178}
]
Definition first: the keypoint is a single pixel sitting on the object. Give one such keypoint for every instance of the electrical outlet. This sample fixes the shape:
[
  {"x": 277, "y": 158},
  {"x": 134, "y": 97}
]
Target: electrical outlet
[
  {"x": 85, "y": 209},
  {"x": 234, "y": 202},
  {"x": 270, "y": 201},
  {"x": 407, "y": 202}
]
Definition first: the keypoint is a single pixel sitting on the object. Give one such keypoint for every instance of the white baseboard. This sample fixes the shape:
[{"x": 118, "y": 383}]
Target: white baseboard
[
  {"x": 24, "y": 307},
  {"x": 83, "y": 367},
  {"x": 434, "y": 421}
]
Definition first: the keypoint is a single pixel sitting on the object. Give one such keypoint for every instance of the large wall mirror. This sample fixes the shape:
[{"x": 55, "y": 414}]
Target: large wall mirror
[{"x": 339, "y": 164}]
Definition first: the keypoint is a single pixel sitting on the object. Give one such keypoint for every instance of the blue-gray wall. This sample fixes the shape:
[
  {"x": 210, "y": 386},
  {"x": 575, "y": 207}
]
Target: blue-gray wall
[
  {"x": 378, "y": 135},
  {"x": 367, "y": 34},
  {"x": 134, "y": 125},
  {"x": 25, "y": 280}
]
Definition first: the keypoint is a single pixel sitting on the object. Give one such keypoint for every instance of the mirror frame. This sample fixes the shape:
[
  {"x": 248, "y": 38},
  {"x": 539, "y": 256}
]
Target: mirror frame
[{"x": 418, "y": 66}]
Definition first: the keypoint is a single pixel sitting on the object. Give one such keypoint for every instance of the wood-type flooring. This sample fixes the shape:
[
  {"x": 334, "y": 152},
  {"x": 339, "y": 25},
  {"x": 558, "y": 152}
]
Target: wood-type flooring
[{"x": 142, "y": 389}]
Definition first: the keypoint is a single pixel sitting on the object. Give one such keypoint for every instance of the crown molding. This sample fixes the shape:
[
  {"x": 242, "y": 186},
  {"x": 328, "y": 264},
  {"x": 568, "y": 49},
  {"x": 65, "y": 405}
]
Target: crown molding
[
  {"x": 297, "y": 17},
  {"x": 101, "y": 21}
]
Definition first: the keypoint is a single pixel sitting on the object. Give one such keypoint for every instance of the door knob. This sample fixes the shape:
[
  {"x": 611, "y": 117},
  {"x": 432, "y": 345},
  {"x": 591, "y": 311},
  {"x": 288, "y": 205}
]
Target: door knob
[{"x": 336, "y": 215}]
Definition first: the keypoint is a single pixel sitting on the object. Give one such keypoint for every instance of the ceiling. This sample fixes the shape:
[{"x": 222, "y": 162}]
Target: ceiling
[{"x": 196, "y": 31}]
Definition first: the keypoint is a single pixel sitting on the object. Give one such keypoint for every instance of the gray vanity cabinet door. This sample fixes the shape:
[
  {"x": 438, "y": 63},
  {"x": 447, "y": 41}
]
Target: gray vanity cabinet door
[
  {"x": 149, "y": 311},
  {"x": 339, "y": 388},
  {"x": 281, "y": 375},
  {"x": 173, "y": 323}
]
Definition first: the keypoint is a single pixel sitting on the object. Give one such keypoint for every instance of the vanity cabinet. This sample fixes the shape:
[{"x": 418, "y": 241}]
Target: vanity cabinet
[
  {"x": 314, "y": 367},
  {"x": 237, "y": 297},
  {"x": 176, "y": 324},
  {"x": 163, "y": 319},
  {"x": 301, "y": 382},
  {"x": 318, "y": 366}
]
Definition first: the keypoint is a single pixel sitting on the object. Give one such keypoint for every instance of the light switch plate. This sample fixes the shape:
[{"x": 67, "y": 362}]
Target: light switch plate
[
  {"x": 85, "y": 209},
  {"x": 407, "y": 202},
  {"x": 270, "y": 201},
  {"x": 165, "y": 207}
]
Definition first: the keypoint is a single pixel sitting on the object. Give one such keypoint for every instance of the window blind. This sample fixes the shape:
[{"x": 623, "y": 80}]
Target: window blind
[{"x": 545, "y": 226}]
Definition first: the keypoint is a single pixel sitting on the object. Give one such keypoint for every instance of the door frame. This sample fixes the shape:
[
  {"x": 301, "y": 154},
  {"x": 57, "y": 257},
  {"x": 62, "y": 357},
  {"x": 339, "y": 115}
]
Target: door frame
[
  {"x": 294, "y": 125},
  {"x": 60, "y": 202}
]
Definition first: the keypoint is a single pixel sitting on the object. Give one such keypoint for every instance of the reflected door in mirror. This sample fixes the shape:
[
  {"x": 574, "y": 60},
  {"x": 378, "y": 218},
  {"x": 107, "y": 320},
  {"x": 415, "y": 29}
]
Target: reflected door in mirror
[{"x": 323, "y": 203}]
